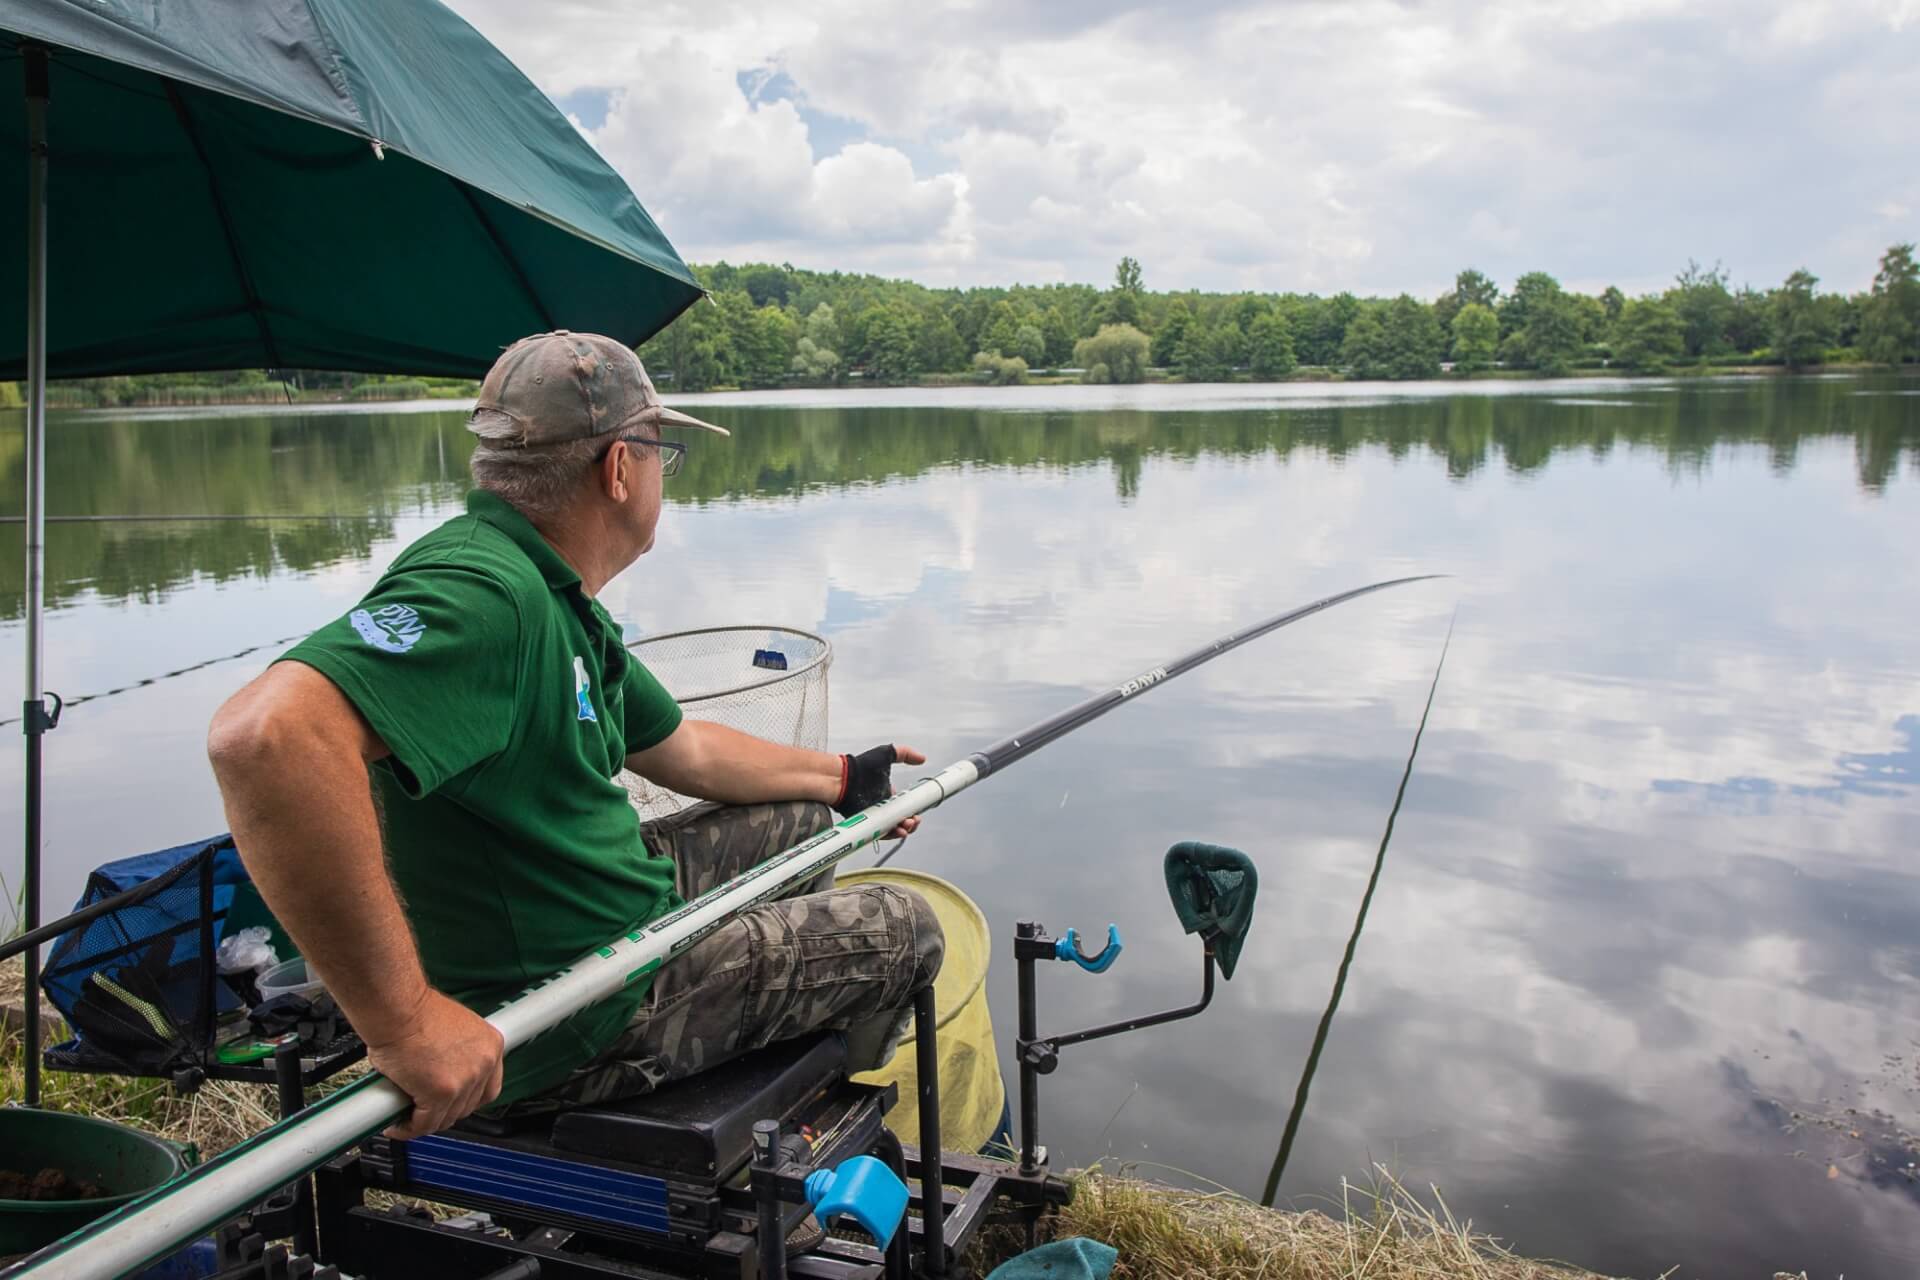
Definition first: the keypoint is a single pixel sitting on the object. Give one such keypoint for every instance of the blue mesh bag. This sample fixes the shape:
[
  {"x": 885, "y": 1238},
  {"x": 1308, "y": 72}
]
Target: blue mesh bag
[{"x": 139, "y": 984}]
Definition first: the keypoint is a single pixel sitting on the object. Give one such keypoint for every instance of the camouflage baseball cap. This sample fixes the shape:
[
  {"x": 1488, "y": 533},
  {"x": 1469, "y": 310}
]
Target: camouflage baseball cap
[{"x": 561, "y": 386}]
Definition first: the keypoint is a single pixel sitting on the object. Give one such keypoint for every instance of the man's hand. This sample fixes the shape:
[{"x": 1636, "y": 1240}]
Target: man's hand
[
  {"x": 869, "y": 780},
  {"x": 449, "y": 1061}
]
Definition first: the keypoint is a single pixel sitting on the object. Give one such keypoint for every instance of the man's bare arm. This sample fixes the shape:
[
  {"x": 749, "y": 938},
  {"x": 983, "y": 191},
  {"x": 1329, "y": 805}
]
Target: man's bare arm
[
  {"x": 291, "y": 755},
  {"x": 713, "y": 762}
]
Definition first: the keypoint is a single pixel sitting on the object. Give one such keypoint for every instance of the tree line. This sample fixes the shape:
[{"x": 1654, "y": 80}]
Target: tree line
[{"x": 779, "y": 325}]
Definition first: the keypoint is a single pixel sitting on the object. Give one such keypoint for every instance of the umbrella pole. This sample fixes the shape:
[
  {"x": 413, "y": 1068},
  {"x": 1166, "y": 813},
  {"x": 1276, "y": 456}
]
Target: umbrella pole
[{"x": 34, "y": 718}]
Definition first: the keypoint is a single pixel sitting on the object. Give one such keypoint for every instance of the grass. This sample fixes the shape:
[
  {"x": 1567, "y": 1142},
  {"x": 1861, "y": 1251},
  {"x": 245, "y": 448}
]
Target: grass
[{"x": 1383, "y": 1232}]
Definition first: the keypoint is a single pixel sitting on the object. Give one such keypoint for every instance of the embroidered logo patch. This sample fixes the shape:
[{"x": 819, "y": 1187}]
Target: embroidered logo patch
[
  {"x": 581, "y": 687},
  {"x": 395, "y": 628}
]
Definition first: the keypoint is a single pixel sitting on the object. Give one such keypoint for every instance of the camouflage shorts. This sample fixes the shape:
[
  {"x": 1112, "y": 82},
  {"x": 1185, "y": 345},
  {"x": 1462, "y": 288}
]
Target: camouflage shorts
[{"x": 846, "y": 959}]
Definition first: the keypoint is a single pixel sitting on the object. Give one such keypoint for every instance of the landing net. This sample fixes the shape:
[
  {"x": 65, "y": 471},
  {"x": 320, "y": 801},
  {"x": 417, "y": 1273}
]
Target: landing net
[{"x": 770, "y": 682}]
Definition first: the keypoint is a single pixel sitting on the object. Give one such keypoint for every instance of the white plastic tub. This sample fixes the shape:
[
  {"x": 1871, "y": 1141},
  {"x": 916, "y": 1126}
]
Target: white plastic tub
[{"x": 289, "y": 978}]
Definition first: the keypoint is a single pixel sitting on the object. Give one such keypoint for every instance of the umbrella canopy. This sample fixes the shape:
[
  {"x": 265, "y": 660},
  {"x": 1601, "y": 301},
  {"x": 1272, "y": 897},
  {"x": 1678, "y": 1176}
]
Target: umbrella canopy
[{"x": 329, "y": 184}]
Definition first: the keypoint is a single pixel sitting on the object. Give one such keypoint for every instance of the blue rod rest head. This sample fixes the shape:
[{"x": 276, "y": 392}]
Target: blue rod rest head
[
  {"x": 1068, "y": 948},
  {"x": 863, "y": 1189}
]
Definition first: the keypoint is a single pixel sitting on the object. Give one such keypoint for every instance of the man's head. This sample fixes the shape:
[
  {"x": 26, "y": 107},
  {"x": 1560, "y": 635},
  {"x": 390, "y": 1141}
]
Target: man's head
[{"x": 570, "y": 432}]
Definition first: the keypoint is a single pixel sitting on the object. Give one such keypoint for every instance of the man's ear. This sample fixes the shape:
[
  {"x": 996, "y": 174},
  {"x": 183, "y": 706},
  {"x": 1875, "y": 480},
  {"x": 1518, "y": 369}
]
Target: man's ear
[{"x": 613, "y": 475}]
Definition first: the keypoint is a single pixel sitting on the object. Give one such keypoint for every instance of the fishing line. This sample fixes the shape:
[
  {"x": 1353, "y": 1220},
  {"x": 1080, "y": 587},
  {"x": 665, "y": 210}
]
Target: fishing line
[
  {"x": 65, "y": 703},
  {"x": 1353, "y": 941},
  {"x": 184, "y": 519}
]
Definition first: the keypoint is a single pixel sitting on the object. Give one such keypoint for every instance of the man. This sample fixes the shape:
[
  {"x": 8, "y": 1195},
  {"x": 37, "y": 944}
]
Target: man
[{"x": 491, "y": 701}]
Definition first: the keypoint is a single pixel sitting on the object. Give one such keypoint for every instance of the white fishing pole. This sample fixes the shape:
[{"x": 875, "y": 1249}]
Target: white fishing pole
[{"x": 166, "y": 1218}]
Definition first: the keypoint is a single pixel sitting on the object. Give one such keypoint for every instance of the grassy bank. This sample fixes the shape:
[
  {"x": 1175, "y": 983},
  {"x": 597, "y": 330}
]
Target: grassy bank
[
  {"x": 1381, "y": 1232},
  {"x": 1320, "y": 374}
]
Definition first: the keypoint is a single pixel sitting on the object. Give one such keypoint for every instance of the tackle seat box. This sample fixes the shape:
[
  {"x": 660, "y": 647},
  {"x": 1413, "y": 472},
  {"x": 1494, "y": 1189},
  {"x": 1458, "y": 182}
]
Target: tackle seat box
[
  {"x": 702, "y": 1127},
  {"x": 649, "y": 1167}
]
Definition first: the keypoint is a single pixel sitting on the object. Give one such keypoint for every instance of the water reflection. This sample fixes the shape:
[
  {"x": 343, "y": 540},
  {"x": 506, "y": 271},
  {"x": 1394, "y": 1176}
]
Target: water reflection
[
  {"x": 375, "y": 464},
  {"x": 1305, "y": 1087},
  {"x": 1652, "y": 892}
]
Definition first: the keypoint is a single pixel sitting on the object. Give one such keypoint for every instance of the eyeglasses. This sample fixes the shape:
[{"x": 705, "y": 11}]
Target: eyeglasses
[{"x": 672, "y": 452}]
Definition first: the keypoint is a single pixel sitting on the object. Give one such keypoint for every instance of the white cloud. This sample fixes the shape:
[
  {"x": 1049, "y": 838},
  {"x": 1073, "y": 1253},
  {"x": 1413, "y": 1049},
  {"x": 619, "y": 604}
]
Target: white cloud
[{"x": 1368, "y": 145}]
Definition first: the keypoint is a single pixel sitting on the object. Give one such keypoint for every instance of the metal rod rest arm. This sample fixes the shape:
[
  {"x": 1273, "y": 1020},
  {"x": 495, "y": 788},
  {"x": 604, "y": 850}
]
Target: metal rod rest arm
[{"x": 1056, "y": 1043}]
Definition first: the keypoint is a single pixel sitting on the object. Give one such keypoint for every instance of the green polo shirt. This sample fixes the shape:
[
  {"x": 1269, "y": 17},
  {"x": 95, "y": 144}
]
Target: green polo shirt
[{"x": 510, "y": 704}]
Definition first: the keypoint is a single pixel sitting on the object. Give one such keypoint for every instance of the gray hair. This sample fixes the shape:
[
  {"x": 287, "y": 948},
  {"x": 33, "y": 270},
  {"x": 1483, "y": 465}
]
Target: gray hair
[{"x": 540, "y": 480}]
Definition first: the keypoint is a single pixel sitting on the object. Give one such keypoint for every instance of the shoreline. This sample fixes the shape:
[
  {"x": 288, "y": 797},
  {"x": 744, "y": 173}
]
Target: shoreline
[{"x": 283, "y": 397}]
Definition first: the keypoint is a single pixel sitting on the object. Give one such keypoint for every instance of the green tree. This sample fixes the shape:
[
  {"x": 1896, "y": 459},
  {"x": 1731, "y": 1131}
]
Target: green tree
[
  {"x": 998, "y": 370},
  {"x": 1749, "y": 320},
  {"x": 890, "y": 354},
  {"x": 970, "y": 319},
  {"x": 1003, "y": 326},
  {"x": 1029, "y": 344},
  {"x": 1412, "y": 340},
  {"x": 1318, "y": 341},
  {"x": 766, "y": 284},
  {"x": 936, "y": 346},
  {"x": 1648, "y": 335},
  {"x": 1171, "y": 333},
  {"x": 1364, "y": 348},
  {"x": 815, "y": 363},
  {"x": 1211, "y": 351},
  {"x": 1517, "y": 308},
  {"x": 762, "y": 338},
  {"x": 1613, "y": 302},
  {"x": 1476, "y": 338},
  {"x": 1802, "y": 328},
  {"x": 1470, "y": 288},
  {"x": 1846, "y": 314},
  {"x": 822, "y": 327},
  {"x": 1890, "y": 321},
  {"x": 1270, "y": 346},
  {"x": 696, "y": 349},
  {"x": 1551, "y": 339},
  {"x": 1701, "y": 300},
  {"x": 816, "y": 355},
  {"x": 1590, "y": 316},
  {"x": 1545, "y": 333},
  {"x": 1120, "y": 349},
  {"x": 1122, "y": 303},
  {"x": 1058, "y": 332}
]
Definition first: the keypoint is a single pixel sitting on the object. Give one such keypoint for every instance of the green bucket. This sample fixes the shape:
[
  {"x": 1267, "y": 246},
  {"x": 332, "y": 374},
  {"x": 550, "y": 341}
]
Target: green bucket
[{"x": 124, "y": 1162}]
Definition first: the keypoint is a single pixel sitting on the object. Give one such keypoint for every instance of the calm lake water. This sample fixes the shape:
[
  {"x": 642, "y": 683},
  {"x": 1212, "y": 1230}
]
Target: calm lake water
[{"x": 1653, "y": 893}]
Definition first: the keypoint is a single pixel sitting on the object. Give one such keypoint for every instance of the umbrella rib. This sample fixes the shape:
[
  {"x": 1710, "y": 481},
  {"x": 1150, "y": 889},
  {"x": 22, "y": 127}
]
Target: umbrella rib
[
  {"x": 506, "y": 254},
  {"x": 252, "y": 296}
]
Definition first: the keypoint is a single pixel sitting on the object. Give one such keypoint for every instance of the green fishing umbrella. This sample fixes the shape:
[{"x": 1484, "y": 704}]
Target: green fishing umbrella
[{"x": 323, "y": 184}]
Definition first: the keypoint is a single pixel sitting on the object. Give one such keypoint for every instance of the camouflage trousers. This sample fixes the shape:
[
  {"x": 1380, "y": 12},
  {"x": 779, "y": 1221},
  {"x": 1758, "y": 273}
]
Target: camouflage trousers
[{"x": 845, "y": 959}]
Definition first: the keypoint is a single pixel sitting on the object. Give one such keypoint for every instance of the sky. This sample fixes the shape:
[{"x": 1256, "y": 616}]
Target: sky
[{"x": 1311, "y": 145}]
